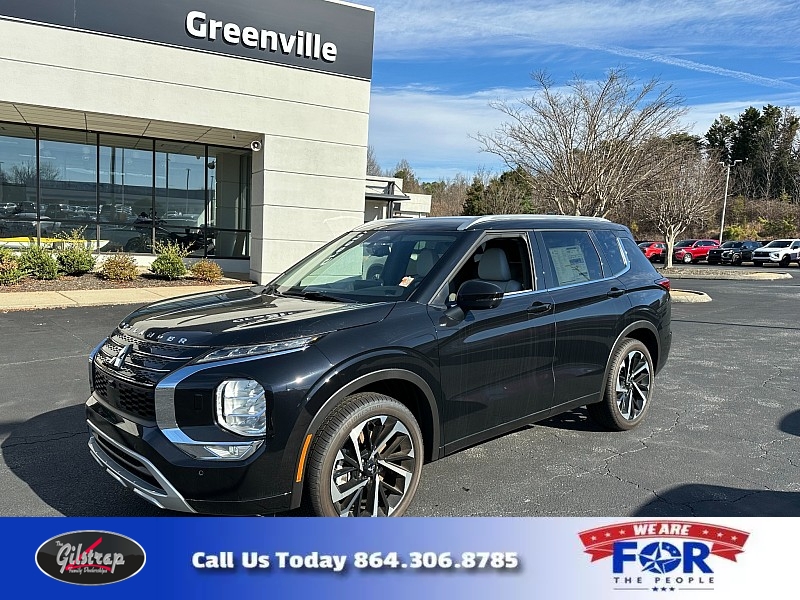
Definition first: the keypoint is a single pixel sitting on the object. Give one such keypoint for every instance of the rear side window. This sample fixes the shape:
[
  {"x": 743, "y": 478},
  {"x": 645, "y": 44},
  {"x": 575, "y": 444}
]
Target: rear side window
[
  {"x": 572, "y": 257},
  {"x": 611, "y": 253},
  {"x": 636, "y": 257}
]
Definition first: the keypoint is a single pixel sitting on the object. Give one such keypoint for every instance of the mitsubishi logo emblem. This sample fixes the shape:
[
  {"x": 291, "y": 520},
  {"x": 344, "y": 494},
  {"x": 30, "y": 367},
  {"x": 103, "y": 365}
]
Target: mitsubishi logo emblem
[{"x": 117, "y": 361}]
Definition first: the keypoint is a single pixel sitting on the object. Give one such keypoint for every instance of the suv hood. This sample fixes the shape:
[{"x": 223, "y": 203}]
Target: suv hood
[{"x": 244, "y": 316}]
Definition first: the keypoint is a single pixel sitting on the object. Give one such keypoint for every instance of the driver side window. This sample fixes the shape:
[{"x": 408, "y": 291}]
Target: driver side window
[{"x": 504, "y": 261}]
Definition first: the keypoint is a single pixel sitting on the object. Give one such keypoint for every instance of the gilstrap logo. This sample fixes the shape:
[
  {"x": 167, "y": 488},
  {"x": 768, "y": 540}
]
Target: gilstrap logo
[{"x": 90, "y": 557}]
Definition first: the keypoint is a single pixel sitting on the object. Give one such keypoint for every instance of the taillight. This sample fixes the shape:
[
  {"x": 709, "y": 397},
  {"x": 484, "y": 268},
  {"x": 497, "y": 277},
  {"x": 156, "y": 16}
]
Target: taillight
[{"x": 663, "y": 282}]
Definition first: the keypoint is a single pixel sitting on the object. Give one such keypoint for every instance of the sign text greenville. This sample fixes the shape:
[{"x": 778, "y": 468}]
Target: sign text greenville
[{"x": 302, "y": 44}]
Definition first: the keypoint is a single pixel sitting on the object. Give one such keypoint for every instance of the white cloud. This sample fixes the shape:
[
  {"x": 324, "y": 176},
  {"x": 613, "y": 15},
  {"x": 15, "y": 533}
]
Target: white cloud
[
  {"x": 468, "y": 26},
  {"x": 432, "y": 130}
]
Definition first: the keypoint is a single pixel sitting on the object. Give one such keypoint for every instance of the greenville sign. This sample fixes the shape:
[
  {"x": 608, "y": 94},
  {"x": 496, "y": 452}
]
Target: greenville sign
[{"x": 320, "y": 35}]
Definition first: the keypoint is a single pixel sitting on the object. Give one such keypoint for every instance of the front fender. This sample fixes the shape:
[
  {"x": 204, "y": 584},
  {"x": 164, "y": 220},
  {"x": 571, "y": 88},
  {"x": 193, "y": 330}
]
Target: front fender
[{"x": 359, "y": 373}]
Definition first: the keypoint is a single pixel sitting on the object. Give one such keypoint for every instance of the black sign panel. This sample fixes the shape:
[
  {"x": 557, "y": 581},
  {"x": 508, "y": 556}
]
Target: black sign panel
[{"x": 311, "y": 34}]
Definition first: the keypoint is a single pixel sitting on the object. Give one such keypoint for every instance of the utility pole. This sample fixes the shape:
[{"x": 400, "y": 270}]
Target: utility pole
[{"x": 725, "y": 198}]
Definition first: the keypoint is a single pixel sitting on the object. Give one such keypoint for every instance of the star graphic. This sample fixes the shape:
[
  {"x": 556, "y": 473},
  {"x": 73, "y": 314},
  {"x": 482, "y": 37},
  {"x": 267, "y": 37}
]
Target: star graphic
[{"x": 655, "y": 589}]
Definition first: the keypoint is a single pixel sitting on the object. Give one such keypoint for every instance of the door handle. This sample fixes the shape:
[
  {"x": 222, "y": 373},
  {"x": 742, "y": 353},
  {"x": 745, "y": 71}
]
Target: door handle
[
  {"x": 615, "y": 292},
  {"x": 539, "y": 308}
]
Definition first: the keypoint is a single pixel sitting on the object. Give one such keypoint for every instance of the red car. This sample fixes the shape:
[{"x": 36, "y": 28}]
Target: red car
[
  {"x": 654, "y": 251},
  {"x": 692, "y": 251}
]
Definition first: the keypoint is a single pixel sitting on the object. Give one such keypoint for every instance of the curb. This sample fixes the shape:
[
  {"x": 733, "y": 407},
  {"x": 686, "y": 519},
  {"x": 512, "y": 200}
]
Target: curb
[
  {"x": 727, "y": 274},
  {"x": 106, "y": 297},
  {"x": 689, "y": 296}
]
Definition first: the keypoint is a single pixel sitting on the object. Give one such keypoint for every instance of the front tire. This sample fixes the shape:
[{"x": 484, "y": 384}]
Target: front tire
[
  {"x": 784, "y": 262},
  {"x": 628, "y": 389},
  {"x": 366, "y": 460},
  {"x": 687, "y": 259},
  {"x": 758, "y": 263}
]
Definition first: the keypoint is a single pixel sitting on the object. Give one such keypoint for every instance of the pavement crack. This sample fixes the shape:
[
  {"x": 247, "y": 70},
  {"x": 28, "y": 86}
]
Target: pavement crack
[
  {"x": 778, "y": 374},
  {"x": 43, "y": 360},
  {"x": 38, "y": 439}
]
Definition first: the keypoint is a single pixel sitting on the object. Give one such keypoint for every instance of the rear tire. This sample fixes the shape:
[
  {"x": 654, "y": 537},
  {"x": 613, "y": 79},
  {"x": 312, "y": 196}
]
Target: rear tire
[
  {"x": 366, "y": 459},
  {"x": 628, "y": 389}
]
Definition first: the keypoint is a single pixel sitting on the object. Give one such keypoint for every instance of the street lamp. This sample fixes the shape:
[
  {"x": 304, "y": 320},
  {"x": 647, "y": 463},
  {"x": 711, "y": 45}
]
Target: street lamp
[{"x": 725, "y": 197}]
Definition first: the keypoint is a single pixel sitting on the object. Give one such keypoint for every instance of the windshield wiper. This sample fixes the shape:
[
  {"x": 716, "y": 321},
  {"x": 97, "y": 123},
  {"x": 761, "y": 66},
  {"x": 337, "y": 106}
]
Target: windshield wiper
[
  {"x": 318, "y": 295},
  {"x": 271, "y": 290}
]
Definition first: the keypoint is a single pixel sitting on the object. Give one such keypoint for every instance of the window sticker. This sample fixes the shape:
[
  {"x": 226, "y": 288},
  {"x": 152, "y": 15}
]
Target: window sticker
[
  {"x": 406, "y": 281},
  {"x": 570, "y": 265}
]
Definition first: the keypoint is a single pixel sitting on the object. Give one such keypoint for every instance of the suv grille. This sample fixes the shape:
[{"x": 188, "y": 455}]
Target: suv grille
[{"x": 130, "y": 388}]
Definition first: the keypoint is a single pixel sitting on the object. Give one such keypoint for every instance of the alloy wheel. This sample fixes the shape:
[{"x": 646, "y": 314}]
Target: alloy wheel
[
  {"x": 633, "y": 385},
  {"x": 373, "y": 469}
]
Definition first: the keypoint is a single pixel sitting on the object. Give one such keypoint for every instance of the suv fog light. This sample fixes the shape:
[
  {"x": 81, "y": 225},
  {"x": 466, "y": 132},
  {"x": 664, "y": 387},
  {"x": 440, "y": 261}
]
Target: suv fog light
[
  {"x": 242, "y": 407},
  {"x": 221, "y": 451}
]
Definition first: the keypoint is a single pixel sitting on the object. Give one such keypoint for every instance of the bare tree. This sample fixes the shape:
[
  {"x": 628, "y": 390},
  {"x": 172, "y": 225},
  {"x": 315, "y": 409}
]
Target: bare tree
[
  {"x": 685, "y": 194},
  {"x": 447, "y": 197},
  {"x": 588, "y": 149},
  {"x": 373, "y": 167}
]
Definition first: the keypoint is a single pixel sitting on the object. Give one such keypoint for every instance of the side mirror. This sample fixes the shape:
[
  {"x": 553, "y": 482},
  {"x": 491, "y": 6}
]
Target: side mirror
[{"x": 478, "y": 295}]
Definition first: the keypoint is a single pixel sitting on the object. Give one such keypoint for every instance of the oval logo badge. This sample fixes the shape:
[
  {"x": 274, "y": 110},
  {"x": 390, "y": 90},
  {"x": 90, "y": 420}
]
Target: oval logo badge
[{"x": 90, "y": 557}]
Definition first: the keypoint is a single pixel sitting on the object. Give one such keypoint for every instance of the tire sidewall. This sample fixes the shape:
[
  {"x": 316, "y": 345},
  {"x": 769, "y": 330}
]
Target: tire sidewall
[
  {"x": 352, "y": 415},
  {"x": 610, "y": 397}
]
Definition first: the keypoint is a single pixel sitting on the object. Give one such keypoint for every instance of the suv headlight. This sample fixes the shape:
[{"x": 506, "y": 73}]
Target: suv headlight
[
  {"x": 257, "y": 350},
  {"x": 242, "y": 407}
]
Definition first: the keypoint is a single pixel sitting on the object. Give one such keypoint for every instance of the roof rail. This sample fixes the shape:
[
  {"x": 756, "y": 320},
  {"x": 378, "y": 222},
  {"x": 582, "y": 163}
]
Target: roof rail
[{"x": 491, "y": 218}]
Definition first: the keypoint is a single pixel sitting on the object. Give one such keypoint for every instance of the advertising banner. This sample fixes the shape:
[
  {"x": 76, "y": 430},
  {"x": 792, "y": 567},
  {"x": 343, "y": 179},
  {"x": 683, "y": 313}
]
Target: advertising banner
[{"x": 402, "y": 558}]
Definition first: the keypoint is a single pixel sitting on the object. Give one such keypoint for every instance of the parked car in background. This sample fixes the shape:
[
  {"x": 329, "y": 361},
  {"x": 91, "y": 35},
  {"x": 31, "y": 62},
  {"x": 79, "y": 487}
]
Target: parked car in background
[
  {"x": 654, "y": 251},
  {"x": 733, "y": 252},
  {"x": 778, "y": 251},
  {"x": 7, "y": 208},
  {"x": 692, "y": 251}
]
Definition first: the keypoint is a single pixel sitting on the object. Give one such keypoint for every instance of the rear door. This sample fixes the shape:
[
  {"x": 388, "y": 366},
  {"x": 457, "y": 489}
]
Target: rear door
[{"x": 590, "y": 305}]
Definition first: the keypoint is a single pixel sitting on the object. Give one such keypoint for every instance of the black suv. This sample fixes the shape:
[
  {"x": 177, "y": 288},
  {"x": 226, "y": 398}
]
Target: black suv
[
  {"x": 336, "y": 381},
  {"x": 734, "y": 253}
]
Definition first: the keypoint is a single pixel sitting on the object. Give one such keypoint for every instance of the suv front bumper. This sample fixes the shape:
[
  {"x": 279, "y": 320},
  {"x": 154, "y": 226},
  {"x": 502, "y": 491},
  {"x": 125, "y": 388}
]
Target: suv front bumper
[{"x": 142, "y": 459}]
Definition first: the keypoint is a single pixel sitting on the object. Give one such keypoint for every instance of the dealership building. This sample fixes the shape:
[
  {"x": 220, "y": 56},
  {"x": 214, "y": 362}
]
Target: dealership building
[{"x": 237, "y": 128}]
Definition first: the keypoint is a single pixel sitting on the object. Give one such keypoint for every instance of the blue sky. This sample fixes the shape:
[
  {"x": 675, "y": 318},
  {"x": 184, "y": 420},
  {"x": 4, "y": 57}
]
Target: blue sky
[{"x": 438, "y": 64}]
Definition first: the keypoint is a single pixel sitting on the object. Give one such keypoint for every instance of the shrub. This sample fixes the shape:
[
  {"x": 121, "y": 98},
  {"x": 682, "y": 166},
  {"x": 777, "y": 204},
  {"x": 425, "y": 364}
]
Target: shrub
[
  {"x": 169, "y": 262},
  {"x": 38, "y": 262},
  {"x": 10, "y": 272},
  {"x": 75, "y": 257},
  {"x": 206, "y": 270},
  {"x": 119, "y": 267}
]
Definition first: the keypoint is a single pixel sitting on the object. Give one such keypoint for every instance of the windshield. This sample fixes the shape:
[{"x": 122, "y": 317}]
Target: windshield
[
  {"x": 779, "y": 244},
  {"x": 366, "y": 266},
  {"x": 685, "y": 243}
]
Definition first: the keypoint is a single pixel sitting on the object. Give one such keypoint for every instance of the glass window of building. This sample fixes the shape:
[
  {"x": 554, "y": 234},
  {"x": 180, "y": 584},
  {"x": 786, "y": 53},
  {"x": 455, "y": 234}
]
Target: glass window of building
[
  {"x": 125, "y": 215},
  {"x": 67, "y": 181},
  {"x": 228, "y": 202},
  {"x": 18, "y": 209}
]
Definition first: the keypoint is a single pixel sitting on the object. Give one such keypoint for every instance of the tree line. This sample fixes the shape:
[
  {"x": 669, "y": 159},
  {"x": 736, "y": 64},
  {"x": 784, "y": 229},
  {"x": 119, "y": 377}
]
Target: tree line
[{"x": 618, "y": 148}]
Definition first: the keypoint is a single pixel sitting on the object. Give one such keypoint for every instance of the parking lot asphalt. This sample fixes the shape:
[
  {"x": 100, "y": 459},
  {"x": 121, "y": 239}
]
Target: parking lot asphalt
[{"x": 721, "y": 438}]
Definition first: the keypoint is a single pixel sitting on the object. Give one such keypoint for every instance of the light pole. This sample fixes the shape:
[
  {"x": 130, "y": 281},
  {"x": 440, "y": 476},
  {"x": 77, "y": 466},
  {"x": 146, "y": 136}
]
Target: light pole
[{"x": 725, "y": 197}]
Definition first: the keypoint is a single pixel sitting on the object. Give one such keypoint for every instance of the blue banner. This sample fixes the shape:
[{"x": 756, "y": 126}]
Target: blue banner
[{"x": 399, "y": 558}]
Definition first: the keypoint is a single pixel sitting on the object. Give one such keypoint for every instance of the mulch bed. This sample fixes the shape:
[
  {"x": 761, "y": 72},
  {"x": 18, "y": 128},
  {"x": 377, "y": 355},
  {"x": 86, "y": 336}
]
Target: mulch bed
[{"x": 93, "y": 282}]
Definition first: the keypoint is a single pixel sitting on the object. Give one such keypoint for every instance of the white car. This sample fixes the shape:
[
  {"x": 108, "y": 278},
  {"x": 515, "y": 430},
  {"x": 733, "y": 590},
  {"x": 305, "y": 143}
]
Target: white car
[{"x": 778, "y": 251}]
